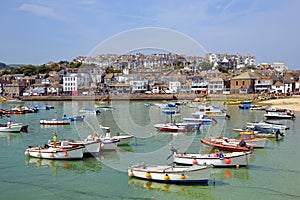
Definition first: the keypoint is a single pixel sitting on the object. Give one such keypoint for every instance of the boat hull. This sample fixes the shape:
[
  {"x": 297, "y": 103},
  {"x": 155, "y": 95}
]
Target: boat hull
[
  {"x": 224, "y": 147},
  {"x": 169, "y": 174},
  {"x": 216, "y": 159},
  {"x": 55, "y": 122},
  {"x": 55, "y": 153}
]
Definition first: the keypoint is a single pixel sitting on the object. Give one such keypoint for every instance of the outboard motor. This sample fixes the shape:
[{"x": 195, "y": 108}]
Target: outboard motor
[{"x": 242, "y": 143}]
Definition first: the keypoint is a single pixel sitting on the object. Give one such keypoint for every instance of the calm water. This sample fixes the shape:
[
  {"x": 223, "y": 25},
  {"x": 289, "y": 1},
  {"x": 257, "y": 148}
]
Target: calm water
[{"x": 273, "y": 173}]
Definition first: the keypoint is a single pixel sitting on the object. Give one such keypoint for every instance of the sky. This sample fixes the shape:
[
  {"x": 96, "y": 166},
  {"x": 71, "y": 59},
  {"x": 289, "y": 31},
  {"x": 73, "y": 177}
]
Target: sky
[{"x": 39, "y": 31}]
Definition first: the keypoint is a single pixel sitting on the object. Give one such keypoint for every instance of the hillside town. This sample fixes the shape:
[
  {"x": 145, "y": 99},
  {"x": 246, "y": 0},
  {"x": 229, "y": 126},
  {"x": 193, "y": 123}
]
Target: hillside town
[{"x": 154, "y": 74}]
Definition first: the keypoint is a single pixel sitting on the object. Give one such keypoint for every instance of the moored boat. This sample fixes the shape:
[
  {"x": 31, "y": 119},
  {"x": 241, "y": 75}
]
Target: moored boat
[
  {"x": 62, "y": 151},
  {"x": 55, "y": 122},
  {"x": 248, "y": 136},
  {"x": 171, "y": 174},
  {"x": 280, "y": 114},
  {"x": 225, "y": 146},
  {"x": 89, "y": 111},
  {"x": 218, "y": 159}
]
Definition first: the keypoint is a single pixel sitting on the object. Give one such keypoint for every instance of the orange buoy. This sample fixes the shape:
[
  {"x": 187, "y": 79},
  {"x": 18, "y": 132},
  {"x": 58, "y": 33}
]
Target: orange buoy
[
  {"x": 130, "y": 174},
  {"x": 195, "y": 162},
  {"x": 166, "y": 177},
  {"x": 148, "y": 175},
  {"x": 66, "y": 154},
  {"x": 227, "y": 161}
]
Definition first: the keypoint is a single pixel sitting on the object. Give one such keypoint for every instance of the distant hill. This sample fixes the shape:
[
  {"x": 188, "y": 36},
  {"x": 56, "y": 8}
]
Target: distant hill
[{"x": 11, "y": 66}]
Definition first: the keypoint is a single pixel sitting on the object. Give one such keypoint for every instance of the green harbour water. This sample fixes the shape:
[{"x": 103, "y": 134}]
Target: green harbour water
[{"x": 273, "y": 172}]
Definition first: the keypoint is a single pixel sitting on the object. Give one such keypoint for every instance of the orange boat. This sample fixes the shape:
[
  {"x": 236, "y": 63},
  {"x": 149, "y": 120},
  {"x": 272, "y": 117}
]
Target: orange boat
[{"x": 225, "y": 146}]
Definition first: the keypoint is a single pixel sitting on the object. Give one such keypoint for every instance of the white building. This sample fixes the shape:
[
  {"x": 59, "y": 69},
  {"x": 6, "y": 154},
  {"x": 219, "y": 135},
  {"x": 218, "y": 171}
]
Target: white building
[
  {"x": 216, "y": 86},
  {"x": 138, "y": 86},
  {"x": 279, "y": 66},
  {"x": 70, "y": 83},
  {"x": 174, "y": 87}
]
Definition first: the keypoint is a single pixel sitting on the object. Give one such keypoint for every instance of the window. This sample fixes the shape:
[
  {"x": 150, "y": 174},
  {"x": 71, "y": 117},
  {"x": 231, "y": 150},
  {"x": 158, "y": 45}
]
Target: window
[
  {"x": 243, "y": 83},
  {"x": 236, "y": 83}
]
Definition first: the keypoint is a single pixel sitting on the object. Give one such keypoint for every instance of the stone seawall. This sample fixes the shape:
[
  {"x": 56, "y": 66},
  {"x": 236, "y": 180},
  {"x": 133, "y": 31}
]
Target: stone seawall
[{"x": 143, "y": 97}]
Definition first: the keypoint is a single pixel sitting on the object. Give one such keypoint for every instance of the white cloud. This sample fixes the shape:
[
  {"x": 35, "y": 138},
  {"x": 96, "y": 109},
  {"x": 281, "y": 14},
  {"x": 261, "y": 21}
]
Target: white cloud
[{"x": 41, "y": 11}]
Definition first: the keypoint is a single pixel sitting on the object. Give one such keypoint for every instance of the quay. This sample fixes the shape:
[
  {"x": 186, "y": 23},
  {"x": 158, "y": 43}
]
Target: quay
[{"x": 143, "y": 97}]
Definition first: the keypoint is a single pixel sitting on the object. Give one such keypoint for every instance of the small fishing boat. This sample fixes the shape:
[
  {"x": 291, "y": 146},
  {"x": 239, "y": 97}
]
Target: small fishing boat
[
  {"x": 171, "y": 174},
  {"x": 225, "y": 146},
  {"x": 258, "y": 107},
  {"x": 105, "y": 108},
  {"x": 170, "y": 127},
  {"x": 245, "y": 106},
  {"x": 201, "y": 121},
  {"x": 280, "y": 114},
  {"x": 74, "y": 118},
  {"x": 218, "y": 159},
  {"x": 89, "y": 111},
  {"x": 40, "y": 107},
  {"x": 267, "y": 124},
  {"x": 233, "y": 102},
  {"x": 55, "y": 122},
  {"x": 15, "y": 101},
  {"x": 60, "y": 151},
  {"x": 10, "y": 127},
  {"x": 123, "y": 139},
  {"x": 248, "y": 136}
]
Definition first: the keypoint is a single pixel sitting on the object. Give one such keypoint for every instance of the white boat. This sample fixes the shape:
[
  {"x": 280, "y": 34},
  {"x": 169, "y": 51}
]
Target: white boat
[
  {"x": 197, "y": 120},
  {"x": 170, "y": 127},
  {"x": 91, "y": 145},
  {"x": 15, "y": 101},
  {"x": 280, "y": 114},
  {"x": 266, "y": 124},
  {"x": 11, "y": 127},
  {"x": 55, "y": 122},
  {"x": 219, "y": 159},
  {"x": 206, "y": 110},
  {"x": 89, "y": 111},
  {"x": 105, "y": 107},
  {"x": 62, "y": 151},
  {"x": 171, "y": 174},
  {"x": 124, "y": 139}
]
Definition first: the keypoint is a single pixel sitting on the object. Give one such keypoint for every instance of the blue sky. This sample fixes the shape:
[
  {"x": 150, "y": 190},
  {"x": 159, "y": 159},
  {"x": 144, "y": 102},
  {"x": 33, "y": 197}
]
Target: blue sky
[{"x": 38, "y": 31}]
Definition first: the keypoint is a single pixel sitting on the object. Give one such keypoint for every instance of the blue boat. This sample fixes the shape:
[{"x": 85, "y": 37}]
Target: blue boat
[
  {"x": 74, "y": 118},
  {"x": 245, "y": 106}
]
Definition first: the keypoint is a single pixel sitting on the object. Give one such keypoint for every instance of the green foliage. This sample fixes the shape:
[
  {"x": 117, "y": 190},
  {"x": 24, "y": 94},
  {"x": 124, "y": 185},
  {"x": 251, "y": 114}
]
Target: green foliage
[
  {"x": 112, "y": 70},
  {"x": 222, "y": 69},
  {"x": 178, "y": 67},
  {"x": 4, "y": 72},
  {"x": 206, "y": 66},
  {"x": 75, "y": 64}
]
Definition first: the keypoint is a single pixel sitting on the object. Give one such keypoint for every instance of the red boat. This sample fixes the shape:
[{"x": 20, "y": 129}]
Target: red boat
[
  {"x": 242, "y": 146},
  {"x": 10, "y": 112}
]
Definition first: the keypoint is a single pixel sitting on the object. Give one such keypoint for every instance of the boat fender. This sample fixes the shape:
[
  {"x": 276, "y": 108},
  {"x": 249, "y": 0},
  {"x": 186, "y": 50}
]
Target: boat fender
[
  {"x": 227, "y": 161},
  {"x": 195, "y": 162},
  {"x": 148, "y": 175},
  {"x": 166, "y": 177},
  {"x": 66, "y": 154},
  {"x": 182, "y": 176},
  {"x": 130, "y": 174}
]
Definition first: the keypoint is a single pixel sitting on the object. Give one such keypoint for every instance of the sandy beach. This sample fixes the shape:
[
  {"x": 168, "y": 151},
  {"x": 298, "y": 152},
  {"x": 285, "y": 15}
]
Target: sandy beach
[{"x": 291, "y": 103}]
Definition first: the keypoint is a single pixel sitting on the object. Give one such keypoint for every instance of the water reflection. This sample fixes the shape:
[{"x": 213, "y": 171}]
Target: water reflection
[
  {"x": 79, "y": 167},
  {"x": 185, "y": 191}
]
